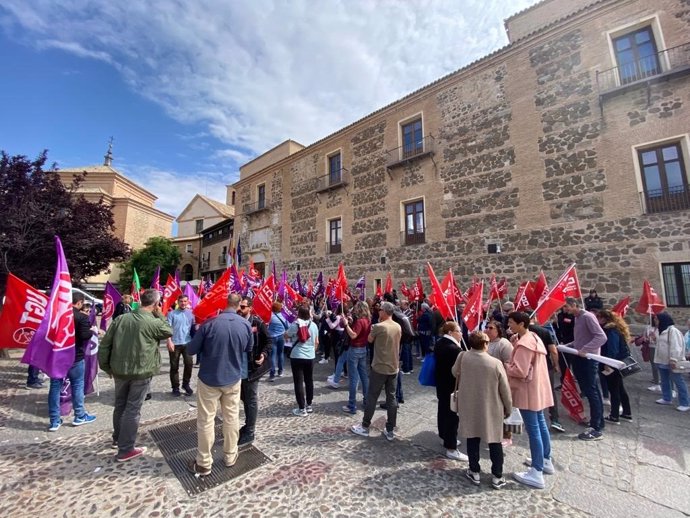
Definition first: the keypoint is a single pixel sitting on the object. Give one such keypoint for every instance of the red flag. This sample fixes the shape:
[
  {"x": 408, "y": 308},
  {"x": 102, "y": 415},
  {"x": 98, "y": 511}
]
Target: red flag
[
  {"x": 215, "y": 301},
  {"x": 570, "y": 397},
  {"x": 472, "y": 313},
  {"x": 22, "y": 313},
  {"x": 310, "y": 287},
  {"x": 450, "y": 291},
  {"x": 202, "y": 289},
  {"x": 292, "y": 293},
  {"x": 650, "y": 302},
  {"x": 437, "y": 295},
  {"x": 404, "y": 290},
  {"x": 502, "y": 288},
  {"x": 566, "y": 286},
  {"x": 541, "y": 288},
  {"x": 622, "y": 307},
  {"x": 389, "y": 284},
  {"x": 379, "y": 291},
  {"x": 171, "y": 293},
  {"x": 493, "y": 293},
  {"x": 418, "y": 290},
  {"x": 263, "y": 300},
  {"x": 524, "y": 293},
  {"x": 340, "y": 283}
]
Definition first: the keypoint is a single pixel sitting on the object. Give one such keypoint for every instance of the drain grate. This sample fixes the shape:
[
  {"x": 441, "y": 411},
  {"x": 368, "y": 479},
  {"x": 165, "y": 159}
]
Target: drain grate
[{"x": 178, "y": 444}]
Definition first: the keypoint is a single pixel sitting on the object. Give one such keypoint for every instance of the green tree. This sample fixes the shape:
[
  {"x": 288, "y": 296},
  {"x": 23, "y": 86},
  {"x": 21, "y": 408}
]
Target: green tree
[
  {"x": 35, "y": 205},
  {"x": 158, "y": 251}
]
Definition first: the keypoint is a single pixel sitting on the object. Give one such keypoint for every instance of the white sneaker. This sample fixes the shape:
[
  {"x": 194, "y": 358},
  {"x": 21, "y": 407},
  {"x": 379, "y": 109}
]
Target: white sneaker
[
  {"x": 323, "y": 361},
  {"x": 607, "y": 402},
  {"x": 360, "y": 430},
  {"x": 473, "y": 476},
  {"x": 531, "y": 477},
  {"x": 332, "y": 384},
  {"x": 662, "y": 401},
  {"x": 300, "y": 412},
  {"x": 654, "y": 388},
  {"x": 389, "y": 435},
  {"x": 548, "y": 466},
  {"x": 457, "y": 455},
  {"x": 683, "y": 408}
]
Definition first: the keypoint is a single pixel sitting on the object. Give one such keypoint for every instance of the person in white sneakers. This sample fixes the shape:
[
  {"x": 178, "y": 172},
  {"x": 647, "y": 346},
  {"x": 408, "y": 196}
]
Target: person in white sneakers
[
  {"x": 484, "y": 402},
  {"x": 670, "y": 349}
]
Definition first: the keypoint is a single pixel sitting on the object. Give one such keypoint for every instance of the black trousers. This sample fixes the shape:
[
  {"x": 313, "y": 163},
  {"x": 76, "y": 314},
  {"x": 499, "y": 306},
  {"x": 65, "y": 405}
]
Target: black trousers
[
  {"x": 495, "y": 453},
  {"x": 618, "y": 394},
  {"x": 303, "y": 378},
  {"x": 180, "y": 350},
  {"x": 447, "y": 421},
  {"x": 249, "y": 394}
]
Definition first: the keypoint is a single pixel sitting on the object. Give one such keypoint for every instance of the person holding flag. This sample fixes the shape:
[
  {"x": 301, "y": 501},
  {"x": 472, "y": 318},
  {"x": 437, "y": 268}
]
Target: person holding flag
[{"x": 82, "y": 336}]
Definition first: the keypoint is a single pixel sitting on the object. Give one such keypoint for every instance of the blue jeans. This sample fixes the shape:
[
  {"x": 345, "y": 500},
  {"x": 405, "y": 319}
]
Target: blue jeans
[
  {"x": 398, "y": 388},
  {"x": 539, "y": 438},
  {"x": 668, "y": 377},
  {"x": 406, "y": 356},
  {"x": 76, "y": 379},
  {"x": 340, "y": 366},
  {"x": 358, "y": 369},
  {"x": 33, "y": 376},
  {"x": 277, "y": 356},
  {"x": 587, "y": 375}
]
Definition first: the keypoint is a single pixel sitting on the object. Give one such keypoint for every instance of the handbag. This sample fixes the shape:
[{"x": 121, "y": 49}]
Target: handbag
[
  {"x": 427, "y": 374},
  {"x": 513, "y": 423},
  {"x": 682, "y": 366},
  {"x": 454, "y": 395},
  {"x": 631, "y": 367}
]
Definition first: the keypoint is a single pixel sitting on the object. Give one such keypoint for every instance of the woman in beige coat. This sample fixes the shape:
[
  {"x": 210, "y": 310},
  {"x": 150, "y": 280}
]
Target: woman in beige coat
[
  {"x": 484, "y": 402},
  {"x": 529, "y": 384}
]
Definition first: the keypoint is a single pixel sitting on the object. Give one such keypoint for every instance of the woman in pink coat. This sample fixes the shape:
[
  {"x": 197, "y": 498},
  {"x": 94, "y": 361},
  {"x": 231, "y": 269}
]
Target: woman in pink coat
[{"x": 528, "y": 377}]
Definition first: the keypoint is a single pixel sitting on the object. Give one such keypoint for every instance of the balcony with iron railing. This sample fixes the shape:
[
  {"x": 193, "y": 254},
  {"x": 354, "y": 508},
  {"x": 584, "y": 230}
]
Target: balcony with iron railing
[
  {"x": 413, "y": 237},
  {"x": 665, "y": 200},
  {"x": 410, "y": 152},
  {"x": 334, "y": 248},
  {"x": 254, "y": 207},
  {"x": 333, "y": 180},
  {"x": 663, "y": 65}
]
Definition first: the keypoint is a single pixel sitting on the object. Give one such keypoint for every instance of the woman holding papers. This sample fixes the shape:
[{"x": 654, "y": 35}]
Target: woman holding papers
[{"x": 616, "y": 347}]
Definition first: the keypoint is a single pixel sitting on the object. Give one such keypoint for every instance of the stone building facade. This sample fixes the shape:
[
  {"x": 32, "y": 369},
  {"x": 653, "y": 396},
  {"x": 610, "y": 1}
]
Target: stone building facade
[{"x": 571, "y": 144}]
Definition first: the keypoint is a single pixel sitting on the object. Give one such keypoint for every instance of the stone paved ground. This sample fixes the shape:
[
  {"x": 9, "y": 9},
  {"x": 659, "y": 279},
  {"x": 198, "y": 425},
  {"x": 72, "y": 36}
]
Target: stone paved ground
[{"x": 318, "y": 468}]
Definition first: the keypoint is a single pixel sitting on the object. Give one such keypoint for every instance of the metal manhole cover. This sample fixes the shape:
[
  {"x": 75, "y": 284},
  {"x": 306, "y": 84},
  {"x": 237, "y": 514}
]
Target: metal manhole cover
[{"x": 178, "y": 444}]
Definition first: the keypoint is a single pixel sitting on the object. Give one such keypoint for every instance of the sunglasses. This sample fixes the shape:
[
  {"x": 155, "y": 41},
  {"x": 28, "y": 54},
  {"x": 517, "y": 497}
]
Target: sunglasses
[{"x": 244, "y": 307}]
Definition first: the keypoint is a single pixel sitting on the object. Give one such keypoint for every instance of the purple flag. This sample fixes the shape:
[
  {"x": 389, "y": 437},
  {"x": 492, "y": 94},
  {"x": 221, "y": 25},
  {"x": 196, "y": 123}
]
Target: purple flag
[
  {"x": 191, "y": 294},
  {"x": 299, "y": 288},
  {"x": 66, "y": 398},
  {"x": 318, "y": 287},
  {"x": 92, "y": 315},
  {"x": 234, "y": 280},
  {"x": 52, "y": 347},
  {"x": 156, "y": 281},
  {"x": 281, "y": 285},
  {"x": 362, "y": 287},
  {"x": 111, "y": 299},
  {"x": 90, "y": 364},
  {"x": 177, "y": 276}
]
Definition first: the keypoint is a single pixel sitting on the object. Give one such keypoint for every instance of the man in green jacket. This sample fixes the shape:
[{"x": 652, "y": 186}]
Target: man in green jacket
[{"x": 129, "y": 353}]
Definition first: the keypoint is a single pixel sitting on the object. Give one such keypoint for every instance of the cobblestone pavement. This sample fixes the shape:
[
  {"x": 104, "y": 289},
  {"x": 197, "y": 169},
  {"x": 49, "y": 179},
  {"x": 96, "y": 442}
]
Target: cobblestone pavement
[{"x": 319, "y": 468}]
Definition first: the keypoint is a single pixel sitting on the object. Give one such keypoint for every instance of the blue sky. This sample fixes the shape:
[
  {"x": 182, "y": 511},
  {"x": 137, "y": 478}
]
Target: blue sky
[{"x": 192, "y": 90}]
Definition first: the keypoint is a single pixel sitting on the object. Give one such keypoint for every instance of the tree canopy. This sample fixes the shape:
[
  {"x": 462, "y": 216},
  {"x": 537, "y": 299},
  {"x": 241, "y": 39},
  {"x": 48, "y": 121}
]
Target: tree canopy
[
  {"x": 35, "y": 205},
  {"x": 158, "y": 251}
]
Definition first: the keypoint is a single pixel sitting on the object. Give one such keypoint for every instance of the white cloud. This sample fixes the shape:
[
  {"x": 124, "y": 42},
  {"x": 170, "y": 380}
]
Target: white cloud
[{"x": 257, "y": 73}]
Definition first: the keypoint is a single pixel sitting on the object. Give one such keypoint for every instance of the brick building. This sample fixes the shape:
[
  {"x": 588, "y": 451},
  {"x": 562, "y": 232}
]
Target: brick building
[
  {"x": 570, "y": 144},
  {"x": 136, "y": 217}
]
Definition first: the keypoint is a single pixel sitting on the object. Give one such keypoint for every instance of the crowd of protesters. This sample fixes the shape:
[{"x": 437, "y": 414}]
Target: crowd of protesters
[{"x": 511, "y": 366}]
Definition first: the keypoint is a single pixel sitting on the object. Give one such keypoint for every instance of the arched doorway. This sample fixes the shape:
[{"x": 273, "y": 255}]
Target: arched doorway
[{"x": 187, "y": 272}]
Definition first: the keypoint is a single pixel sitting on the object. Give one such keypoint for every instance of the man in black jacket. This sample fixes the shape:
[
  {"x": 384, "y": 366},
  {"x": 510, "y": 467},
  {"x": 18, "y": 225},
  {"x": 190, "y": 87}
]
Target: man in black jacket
[
  {"x": 82, "y": 335},
  {"x": 256, "y": 364}
]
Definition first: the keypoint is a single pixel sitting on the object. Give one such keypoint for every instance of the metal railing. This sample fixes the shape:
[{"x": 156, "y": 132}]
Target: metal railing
[
  {"x": 409, "y": 237},
  {"x": 417, "y": 149},
  {"x": 663, "y": 62},
  {"x": 665, "y": 200},
  {"x": 334, "y": 248},
  {"x": 333, "y": 180},
  {"x": 257, "y": 206},
  {"x": 204, "y": 264}
]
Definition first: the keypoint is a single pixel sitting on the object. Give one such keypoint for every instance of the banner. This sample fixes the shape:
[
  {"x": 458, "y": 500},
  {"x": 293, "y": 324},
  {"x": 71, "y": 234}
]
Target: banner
[
  {"x": 191, "y": 295},
  {"x": 650, "y": 302},
  {"x": 621, "y": 308},
  {"x": 52, "y": 347},
  {"x": 472, "y": 314},
  {"x": 23, "y": 312},
  {"x": 263, "y": 301},
  {"x": 567, "y": 286},
  {"x": 170, "y": 294},
  {"x": 437, "y": 295}
]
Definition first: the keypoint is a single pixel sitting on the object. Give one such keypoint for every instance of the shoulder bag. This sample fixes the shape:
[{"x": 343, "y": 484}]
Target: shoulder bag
[{"x": 454, "y": 395}]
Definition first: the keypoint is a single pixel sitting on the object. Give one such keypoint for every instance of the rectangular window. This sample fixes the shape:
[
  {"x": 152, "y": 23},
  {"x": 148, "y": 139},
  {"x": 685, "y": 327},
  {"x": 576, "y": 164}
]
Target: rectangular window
[
  {"x": 664, "y": 178},
  {"x": 413, "y": 141},
  {"x": 636, "y": 55},
  {"x": 199, "y": 225},
  {"x": 233, "y": 198},
  {"x": 335, "y": 236},
  {"x": 261, "y": 197},
  {"x": 414, "y": 223},
  {"x": 676, "y": 284},
  {"x": 189, "y": 248},
  {"x": 335, "y": 174}
]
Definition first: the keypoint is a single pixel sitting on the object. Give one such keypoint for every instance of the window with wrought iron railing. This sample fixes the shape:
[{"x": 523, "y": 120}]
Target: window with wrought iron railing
[{"x": 664, "y": 178}]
